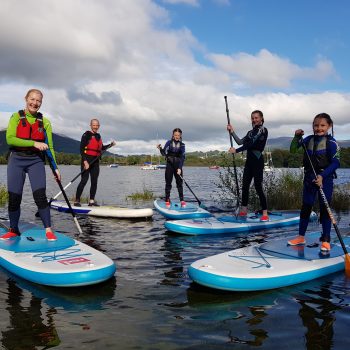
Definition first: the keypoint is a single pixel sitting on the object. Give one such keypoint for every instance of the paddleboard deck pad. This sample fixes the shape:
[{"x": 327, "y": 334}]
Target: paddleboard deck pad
[
  {"x": 232, "y": 224},
  {"x": 103, "y": 210},
  {"x": 269, "y": 265},
  {"x": 65, "y": 262},
  {"x": 175, "y": 211}
]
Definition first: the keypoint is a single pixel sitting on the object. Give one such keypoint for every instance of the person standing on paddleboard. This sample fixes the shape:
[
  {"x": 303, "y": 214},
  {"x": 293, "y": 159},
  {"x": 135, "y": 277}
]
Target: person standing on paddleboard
[
  {"x": 29, "y": 136},
  {"x": 174, "y": 151},
  {"x": 323, "y": 152},
  {"x": 91, "y": 147},
  {"x": 254, "y": 143}
]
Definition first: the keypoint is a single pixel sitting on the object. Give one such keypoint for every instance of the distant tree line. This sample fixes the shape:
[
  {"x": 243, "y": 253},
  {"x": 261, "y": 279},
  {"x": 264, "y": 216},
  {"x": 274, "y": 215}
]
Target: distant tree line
[{"x": 281, "y": 159}]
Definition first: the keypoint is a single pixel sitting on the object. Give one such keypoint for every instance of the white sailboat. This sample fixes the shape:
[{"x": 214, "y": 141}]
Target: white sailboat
[
  {"x": 114, "y": 164},
  {"x": 268, "y": 165},
  {"x": 149, "y": 166}
]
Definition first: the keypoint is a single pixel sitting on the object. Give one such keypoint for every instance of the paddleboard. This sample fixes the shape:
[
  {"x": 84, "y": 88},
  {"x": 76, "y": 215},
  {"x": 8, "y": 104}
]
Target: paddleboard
[
  {"x": 103, "y": 210},
  {"x": 232, "y": 224},
  {"x": 269, "y": 265},
  {"x": 65, "y": 262},
  {"x": 175, "y": 211}
]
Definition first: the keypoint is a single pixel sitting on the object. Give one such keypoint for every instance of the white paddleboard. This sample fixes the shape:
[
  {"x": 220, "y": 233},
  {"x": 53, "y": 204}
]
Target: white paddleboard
[{"x": 103, "y": 210}]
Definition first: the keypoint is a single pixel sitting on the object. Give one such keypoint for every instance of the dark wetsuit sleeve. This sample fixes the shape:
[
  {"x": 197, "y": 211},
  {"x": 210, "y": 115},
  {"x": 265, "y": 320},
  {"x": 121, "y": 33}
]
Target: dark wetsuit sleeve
[
  {"x": 164, "y": 151},
  {"x": 104, "y": 147},
  {"x": 182, "y": 155},
  {"x": 334, "y": 152},
  {"x": 253, "y": 138},
  {"x": 83, "y": 143},
  {"x": 237, "y": 139}
]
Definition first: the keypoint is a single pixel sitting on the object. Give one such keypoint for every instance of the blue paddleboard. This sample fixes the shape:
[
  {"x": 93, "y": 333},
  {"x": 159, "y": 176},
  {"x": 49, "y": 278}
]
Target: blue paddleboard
[
  {"x": 233, "y": 224},
  {"x": 65, "y": 262},
  {"x": 269, "y": 265},
  {"x": 176, "y": 212}
]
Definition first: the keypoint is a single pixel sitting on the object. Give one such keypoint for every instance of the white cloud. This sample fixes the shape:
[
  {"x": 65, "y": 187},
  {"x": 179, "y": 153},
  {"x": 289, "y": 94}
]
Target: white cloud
[
  {"x": 186, "y": 2},
  {"x": 268, "y": 69}
]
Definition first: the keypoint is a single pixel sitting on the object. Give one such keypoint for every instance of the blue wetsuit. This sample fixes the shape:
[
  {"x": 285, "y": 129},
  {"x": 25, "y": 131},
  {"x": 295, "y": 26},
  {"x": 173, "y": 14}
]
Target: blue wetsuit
[
  {"x": 174, "y": 151},
  {"x": 324, "y": 154}
]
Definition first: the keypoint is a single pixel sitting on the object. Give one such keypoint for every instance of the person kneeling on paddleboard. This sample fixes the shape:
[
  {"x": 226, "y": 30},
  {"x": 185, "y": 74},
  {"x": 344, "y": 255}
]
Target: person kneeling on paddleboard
[
  {"x": 29, "y": 136},
  {"x": 174, "y": 151},
  {"x": 320, "y": 163},
  {"x": 254, "y": 143},
  {"x": 91, "y": 147}
]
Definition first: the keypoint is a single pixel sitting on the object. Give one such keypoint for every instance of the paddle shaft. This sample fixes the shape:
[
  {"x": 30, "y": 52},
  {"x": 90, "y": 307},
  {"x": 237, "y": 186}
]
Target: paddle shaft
[
  {"x": 81, "y": 173},
  {"x": 4, "y": 226},
  {"x": 325, "y": 202},
  {"x": 64, "y": 195},
  {"x": 233, "y": 155},
  {"x": 182, "y": 178}
]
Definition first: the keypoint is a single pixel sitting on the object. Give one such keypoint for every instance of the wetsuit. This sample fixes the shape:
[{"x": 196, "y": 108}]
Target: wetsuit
[
  {"x": 25, "y": 159},
  {"x": 94, "y": 168},
  {"x": 254, "y": 143},
  {"x": 324, "y": 154},
  {"x": 174, "y": 151}
]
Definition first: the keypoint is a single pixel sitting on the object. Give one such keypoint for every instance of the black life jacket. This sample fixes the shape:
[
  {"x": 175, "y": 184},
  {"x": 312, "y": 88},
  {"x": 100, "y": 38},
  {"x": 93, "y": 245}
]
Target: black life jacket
[
  {"x": 319, "y": 154},
  {"x": 174, "y": 149}
]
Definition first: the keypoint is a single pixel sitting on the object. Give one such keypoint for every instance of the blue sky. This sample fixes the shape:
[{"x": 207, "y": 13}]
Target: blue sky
[{"x": 145, "y": 67}]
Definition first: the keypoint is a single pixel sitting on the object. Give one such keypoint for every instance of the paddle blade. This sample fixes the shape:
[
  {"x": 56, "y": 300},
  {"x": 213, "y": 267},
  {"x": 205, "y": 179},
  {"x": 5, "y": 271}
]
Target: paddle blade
[{"x": 347, "y": 265}]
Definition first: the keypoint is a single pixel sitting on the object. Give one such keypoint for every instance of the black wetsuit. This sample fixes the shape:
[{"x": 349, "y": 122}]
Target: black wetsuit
[
  {"x": 174, "y": 151},
  {"x": 254, "y": 143},
  {"x": 94, "y": 168}
]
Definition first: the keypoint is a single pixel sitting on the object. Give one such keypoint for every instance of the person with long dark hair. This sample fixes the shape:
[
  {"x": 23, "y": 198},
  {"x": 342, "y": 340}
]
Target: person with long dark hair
[
  {"x": 323, "y": 151},
  {"x": 174, "y": 151},
  {"x": 254, "y": 143}
]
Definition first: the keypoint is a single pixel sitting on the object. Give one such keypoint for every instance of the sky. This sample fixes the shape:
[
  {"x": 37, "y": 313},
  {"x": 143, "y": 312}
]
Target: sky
[{"x": 146, "y": 67}]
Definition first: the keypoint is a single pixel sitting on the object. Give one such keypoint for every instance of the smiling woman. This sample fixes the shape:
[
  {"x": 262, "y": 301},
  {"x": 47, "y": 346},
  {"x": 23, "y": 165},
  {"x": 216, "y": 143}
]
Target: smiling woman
[{"x": 29, "y": 136}]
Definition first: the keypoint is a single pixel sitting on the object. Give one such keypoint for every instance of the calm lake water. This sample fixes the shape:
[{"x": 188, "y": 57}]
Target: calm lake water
[{"x": 151, "y": 303}]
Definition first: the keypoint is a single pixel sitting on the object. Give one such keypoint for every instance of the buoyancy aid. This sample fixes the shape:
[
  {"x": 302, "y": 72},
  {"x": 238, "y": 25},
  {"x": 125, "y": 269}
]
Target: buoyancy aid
[
  {"x": 28, "y": 131},
  {"x": 174, "y": 149},
  {"x": 319, "y": 154},
  {"x": 94, "y": 146}
]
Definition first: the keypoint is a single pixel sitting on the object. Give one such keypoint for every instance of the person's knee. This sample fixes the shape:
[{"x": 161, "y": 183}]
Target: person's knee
[
  {"x": 40, "y": 198},
  {"x": 15, "y": 200}
]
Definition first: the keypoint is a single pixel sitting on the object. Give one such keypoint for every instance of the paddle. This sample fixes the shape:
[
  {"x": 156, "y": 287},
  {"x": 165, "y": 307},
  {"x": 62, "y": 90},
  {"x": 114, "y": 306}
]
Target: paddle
[
  {"x": 4, "y": 226},
  {"x": 329, "y": 211},
  {"x": 52, "y": 166},
  {"x": 233, "y": 155},
  {"x": 188, "y": 186},
  {"x": 71, "y": 181}
]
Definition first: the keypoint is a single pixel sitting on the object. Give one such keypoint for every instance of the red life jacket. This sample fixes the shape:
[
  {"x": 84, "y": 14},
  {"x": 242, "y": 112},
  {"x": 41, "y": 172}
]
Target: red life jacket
[
  {"x": 94, "y": 147},
  {"x": 28, "y": 131}
]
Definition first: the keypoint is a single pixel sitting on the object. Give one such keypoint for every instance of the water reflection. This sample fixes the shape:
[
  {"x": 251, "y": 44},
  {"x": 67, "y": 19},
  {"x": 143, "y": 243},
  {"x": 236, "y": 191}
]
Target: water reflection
[
  {"x": 318, "y": 300},
  {"x": 317, "y": 313},
  {"x": 30, "y": 326},
  {"x": 32, "y": 308}
]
